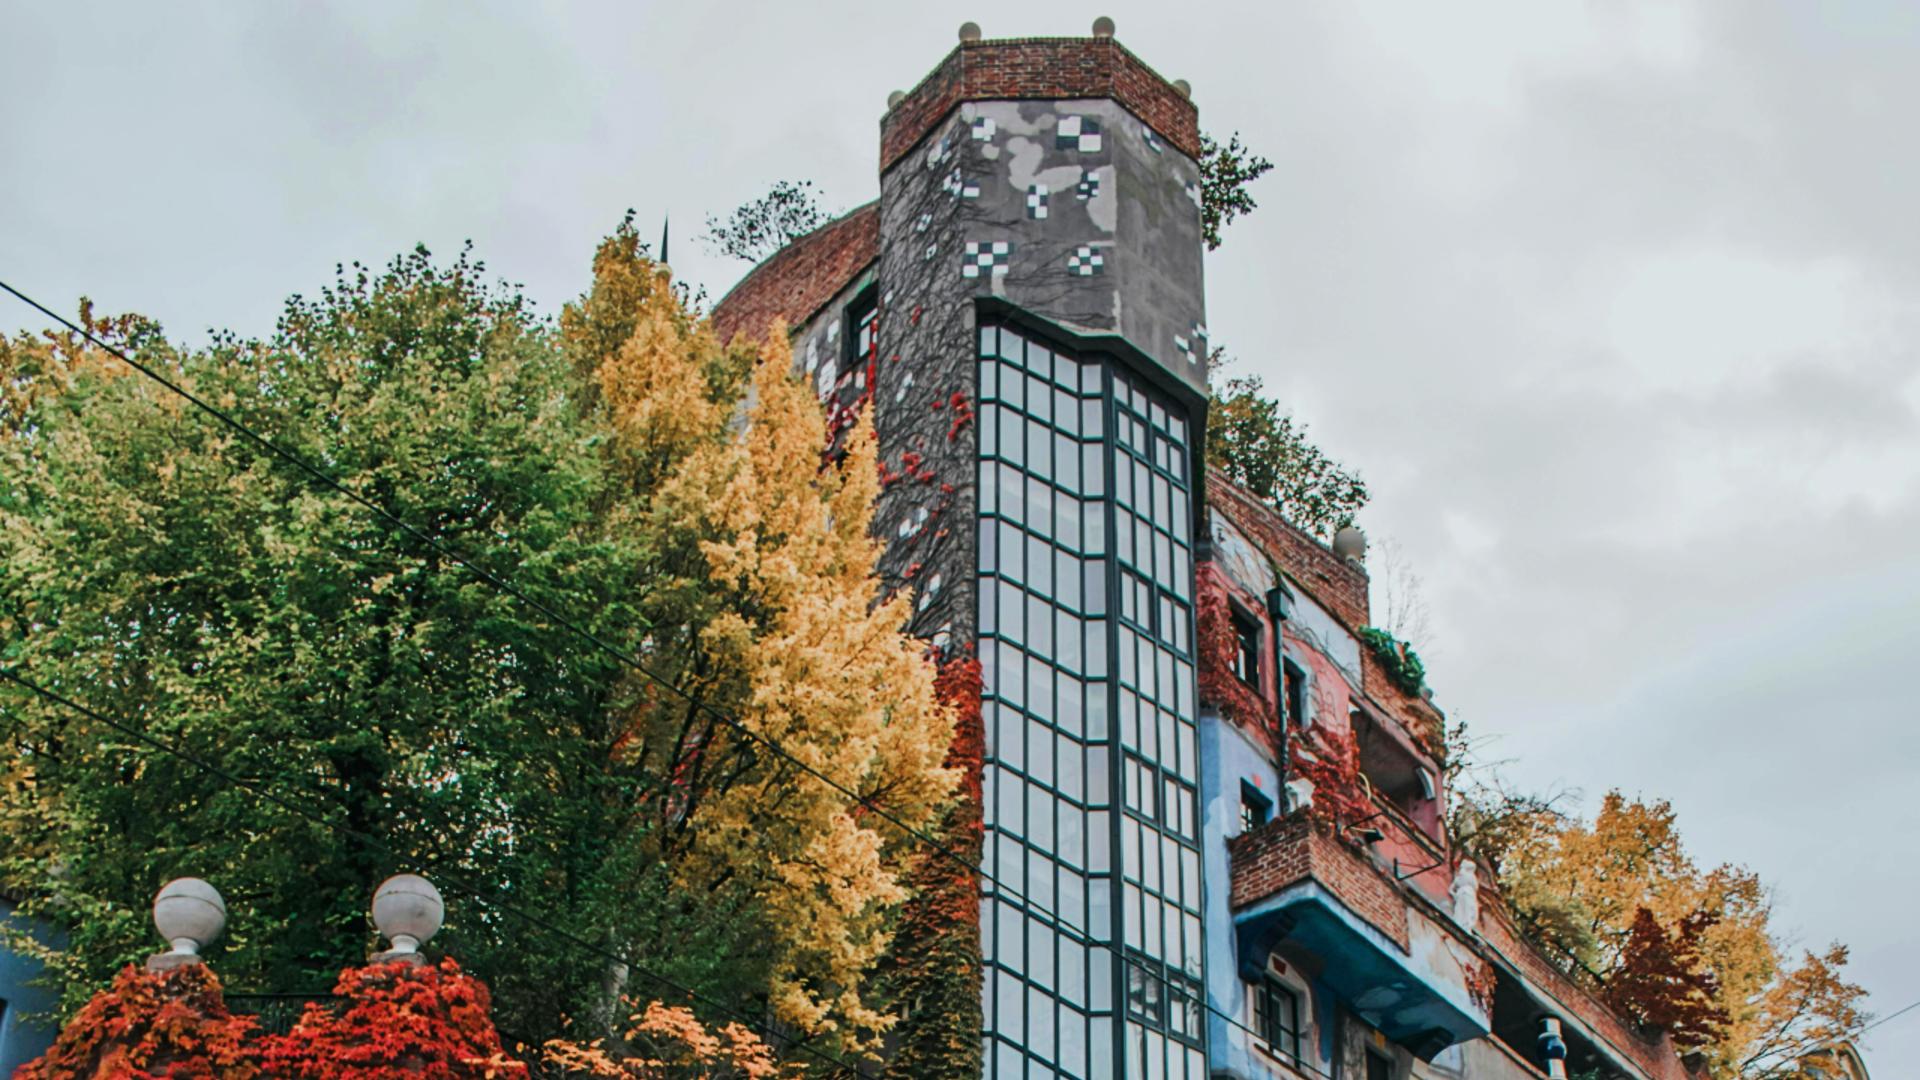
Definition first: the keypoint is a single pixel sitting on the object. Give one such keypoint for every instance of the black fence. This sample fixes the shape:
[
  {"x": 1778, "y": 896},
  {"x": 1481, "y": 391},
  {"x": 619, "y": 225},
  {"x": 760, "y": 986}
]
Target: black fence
[{"x": 278, "y": 1013}]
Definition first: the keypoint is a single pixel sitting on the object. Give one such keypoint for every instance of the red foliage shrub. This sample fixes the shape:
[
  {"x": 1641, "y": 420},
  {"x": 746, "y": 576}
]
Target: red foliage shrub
[
  {"x": 149, "y": 1026},
  {"x": 400, "y": 1023},
  {"x": 1662, "y": 981},
  {"x": 935, "y": 983},
  {"x": 1330, "y": 759}
]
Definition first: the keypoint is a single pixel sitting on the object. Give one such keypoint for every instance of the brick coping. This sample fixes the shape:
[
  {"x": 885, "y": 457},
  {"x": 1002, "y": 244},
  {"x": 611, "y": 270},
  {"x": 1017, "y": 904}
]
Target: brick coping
[{"x": 1013, "y": 69}]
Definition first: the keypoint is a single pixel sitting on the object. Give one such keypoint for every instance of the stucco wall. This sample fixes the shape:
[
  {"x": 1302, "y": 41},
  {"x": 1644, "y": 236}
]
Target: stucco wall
[{"x": 21, "y": 1039}]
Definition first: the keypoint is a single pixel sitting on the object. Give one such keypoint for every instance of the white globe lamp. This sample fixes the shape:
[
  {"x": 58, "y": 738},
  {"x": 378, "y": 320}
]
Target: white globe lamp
[
  {"x": 408, "y": 911},
  {"x": 190, "y": 914}
]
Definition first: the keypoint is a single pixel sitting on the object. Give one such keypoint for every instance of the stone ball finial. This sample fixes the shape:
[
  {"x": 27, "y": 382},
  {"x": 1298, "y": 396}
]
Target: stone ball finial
[
  {"x": 969, "y": 31},
  {"x": 1103, "y": 27},
  {"x": 1350, "y": 543},
  {"x": 190, "y": 914},
  {"x": 1185, "y": 87},
  {"x": 407, "y": 910},
  {"x": 894, "y": 99}
]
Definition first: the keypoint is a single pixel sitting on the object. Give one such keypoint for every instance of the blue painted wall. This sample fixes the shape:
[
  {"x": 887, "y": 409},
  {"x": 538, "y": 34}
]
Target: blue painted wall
[{"x": 21, "y": 1040}]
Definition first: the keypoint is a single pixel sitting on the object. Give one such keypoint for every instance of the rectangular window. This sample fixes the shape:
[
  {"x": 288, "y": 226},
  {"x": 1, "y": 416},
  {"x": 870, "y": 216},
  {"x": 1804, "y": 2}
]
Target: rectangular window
[
  {"x": 1276, "y": 1016},
  {"x": 1255, "y": 808},
  {"x": 1246, "y": 657},
  {"x": 1378, "y": 1068},
  {"x": 863, "y": 334},
  {"x": 1146, "y": 995},
  {"x": 1294, "y": 689}
]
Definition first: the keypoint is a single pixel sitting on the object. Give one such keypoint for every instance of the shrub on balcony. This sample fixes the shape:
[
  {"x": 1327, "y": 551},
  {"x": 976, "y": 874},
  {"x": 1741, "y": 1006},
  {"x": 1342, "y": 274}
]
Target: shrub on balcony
[{"x": 1402, "y": 664}]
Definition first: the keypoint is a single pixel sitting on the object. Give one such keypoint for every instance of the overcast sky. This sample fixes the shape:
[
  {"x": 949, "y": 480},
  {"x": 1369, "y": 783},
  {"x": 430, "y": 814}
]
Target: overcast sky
[{"x": 1613, "y": 305}]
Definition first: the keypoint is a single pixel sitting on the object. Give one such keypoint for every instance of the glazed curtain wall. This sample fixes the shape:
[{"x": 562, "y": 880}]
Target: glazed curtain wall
[{"x": 1086, "y": 633}]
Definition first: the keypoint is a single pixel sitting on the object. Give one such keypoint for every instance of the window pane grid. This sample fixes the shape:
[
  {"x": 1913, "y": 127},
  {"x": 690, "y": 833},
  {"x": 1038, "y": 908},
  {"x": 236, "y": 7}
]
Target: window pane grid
[{"x": 1082, "y": 489}]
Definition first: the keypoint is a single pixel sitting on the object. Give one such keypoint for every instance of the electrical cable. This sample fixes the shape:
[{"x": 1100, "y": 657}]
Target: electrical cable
[
  {"x": 1889, "y": 1016},
  {"x": 455, "y": 883}
]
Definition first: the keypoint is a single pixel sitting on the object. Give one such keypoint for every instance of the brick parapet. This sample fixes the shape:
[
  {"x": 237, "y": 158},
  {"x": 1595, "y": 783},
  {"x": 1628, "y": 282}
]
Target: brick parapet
[
  {"x": 1040, "y": 68},
  {"x": 1290, "y": 850},
  {"x": 1418, "y": 717},
  {"x": 794, "y": 283},
  {"x": 1655, "y": 1056},
  {"x": 1336, "y": 584}
]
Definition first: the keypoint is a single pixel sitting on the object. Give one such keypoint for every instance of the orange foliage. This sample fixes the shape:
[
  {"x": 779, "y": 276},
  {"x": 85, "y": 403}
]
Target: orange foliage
[
  {"x": 169, "y": 1025},
  {"x": 419, "y": 1023},
  {"x": 668, "y": 1043}
]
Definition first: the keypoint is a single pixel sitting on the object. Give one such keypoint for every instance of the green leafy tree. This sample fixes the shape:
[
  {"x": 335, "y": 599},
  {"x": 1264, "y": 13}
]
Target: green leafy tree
[
  {"x": 763, "y": 226},
  {"x": 1263, "y": 450},
  {"x": 1226, "y": 171},
  {"x": 621, "y": 468}
]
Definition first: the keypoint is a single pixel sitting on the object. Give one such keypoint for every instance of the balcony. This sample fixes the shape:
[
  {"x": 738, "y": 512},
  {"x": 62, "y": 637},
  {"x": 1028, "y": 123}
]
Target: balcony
[{"x": 1402, "y": 970}]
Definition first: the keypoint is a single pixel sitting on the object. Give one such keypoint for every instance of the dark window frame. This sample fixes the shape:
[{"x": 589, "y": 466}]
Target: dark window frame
[
  {"x": 1249, "y": 635},
  {"x": 1281, "y": 1041},
  {"x": 1293, "y": 693},
  {"x": 1256, "y": 808},
  {"x": 862, "y": 312}
]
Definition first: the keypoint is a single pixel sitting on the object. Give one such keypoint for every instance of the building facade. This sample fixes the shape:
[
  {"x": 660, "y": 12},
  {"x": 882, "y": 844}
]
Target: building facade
[{"x": 1214, "y": 838}]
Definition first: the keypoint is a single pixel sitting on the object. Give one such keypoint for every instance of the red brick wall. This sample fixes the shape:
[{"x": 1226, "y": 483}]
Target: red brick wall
[
  {"x": 796, "y": 281},
  {"x": 1293, "y": 849},
  {"x": 1416, "y": 715},
  {"x": 1336, "y": 584},
  {"x": 1021, "y": 68}
]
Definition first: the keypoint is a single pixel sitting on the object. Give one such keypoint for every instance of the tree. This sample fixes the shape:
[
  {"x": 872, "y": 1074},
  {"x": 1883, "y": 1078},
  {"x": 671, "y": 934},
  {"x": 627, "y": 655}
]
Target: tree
[
  {"x": 622, "y": 468},
  {"x": 1264, "y": 451},
  {"x": 1618, "y": 903},
  {"x": 1225, "y": 172},
  {"x": 1662, "y": 982},
  {"x": 763, "y": 226}
]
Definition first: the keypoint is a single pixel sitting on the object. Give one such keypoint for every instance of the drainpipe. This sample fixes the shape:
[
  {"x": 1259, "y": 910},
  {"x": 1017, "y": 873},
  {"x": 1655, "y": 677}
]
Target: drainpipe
[{"x": 1279, "y": 606}]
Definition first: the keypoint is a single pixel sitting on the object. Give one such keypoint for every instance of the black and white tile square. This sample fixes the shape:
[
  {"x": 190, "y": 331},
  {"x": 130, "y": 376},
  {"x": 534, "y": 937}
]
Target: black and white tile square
[
  {"x": 986, "y": 259},
  {"x": 1080, "y": 133},
  {"x": 1086, "y": 261},
  {"x": 1037, "y": 201}
]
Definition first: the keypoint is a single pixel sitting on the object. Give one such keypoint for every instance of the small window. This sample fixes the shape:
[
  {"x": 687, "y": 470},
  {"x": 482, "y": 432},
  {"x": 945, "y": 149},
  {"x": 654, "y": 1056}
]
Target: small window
[
  {"x": 1378, "y": 1067},
  {"x": 863, "y": 334},
  {"x": 1276, "y": 1016},
  {"x": 1294, "y": 687},
  {"x": 1246, "y": 657},
  {"x": 1146, "y": 995},
  {"x": 1255, "y": 809}
]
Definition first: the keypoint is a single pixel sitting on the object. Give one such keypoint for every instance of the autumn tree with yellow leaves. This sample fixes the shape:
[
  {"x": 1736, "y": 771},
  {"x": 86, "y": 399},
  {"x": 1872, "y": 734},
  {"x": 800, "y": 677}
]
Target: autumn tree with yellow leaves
[
  {"x": 1619, "y": 903},
  {"x": 663, "y": 493}
]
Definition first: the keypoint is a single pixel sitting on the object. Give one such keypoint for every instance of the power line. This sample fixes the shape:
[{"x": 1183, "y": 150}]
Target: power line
[
  {"x": 1890, "y": 1016},
  {"x": 457, "y": 884},
  {"x": 1079, "y": 935}
]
